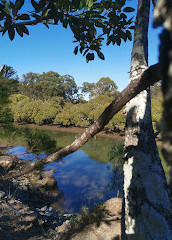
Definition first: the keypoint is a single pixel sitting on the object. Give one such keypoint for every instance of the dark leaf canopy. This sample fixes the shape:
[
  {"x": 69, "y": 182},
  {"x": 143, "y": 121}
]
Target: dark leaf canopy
[{"x": 91, "y": 21}]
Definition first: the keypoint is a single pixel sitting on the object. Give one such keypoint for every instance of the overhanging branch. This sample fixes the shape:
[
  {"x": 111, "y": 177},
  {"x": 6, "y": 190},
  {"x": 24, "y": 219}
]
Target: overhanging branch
[
  {"x": 24, "y": 23},
  {"x": 148, "y": 78}
]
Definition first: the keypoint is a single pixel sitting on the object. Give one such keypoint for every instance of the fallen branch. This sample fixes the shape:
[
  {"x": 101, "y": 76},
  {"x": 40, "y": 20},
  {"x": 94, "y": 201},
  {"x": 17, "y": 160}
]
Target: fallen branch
[{"x": 148, "y": 78}]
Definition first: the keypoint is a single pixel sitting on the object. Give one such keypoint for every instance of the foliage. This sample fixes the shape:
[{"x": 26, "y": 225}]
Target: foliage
[
  {"x": 39, "y": 141},
  {"x": 18, "y": 102},
  {"x": 116, "y": 155},
  {"x": 65, "y": 113},
  {"x": 118, "y": 122},
  {"x": 48, "y": 111},
  {"x": 156, "y": 90},
  {"x": 103, "y": 86},
  {"x": 64, "y": 117},
  {"x": 86, "y": 216},
  {"x": 47, "y": 85},
  {"x": 89, "y": 20},
  {"x": 5, "y": 115},
  {"x": 116, "y": 158},
  {"x": 8, "y": 85},
  {"x": 53, "y": 99},
  {"x": 156, "y": 113},
  {"x": 9, "y": 73}
]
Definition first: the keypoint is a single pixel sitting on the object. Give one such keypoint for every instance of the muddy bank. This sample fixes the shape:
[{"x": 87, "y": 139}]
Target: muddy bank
[
  {"x": 69, "y": 129},
  {"x": 77, "y": 130}
]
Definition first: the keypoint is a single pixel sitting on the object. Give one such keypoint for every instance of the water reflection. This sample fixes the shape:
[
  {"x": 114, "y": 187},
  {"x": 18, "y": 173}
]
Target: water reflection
[
  {"x": 83, "y": 180},
  {"x": 21, "y": 153}
]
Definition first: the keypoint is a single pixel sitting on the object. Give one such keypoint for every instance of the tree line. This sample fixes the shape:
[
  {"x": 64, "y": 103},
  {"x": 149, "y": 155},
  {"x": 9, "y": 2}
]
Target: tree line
[{"x": 49, "y": 98}]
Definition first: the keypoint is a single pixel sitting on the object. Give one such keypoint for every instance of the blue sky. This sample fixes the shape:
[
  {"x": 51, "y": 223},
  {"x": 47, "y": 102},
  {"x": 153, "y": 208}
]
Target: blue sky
[{"x": 52, "y": 49}]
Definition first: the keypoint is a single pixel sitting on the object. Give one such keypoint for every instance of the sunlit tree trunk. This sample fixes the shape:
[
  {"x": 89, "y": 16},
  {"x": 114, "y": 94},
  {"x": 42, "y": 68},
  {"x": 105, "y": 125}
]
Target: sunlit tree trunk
[{"x": 148, "y": 210}]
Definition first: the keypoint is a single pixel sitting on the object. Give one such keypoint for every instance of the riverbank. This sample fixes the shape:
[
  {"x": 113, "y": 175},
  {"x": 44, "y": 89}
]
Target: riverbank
[
  {"x": 25, "y": 211},
  {"x": 77, "y": 130}
]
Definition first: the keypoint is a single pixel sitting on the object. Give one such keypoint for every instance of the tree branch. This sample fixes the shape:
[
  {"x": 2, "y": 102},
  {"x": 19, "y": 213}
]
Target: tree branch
[
  {"x": 148, "y": 78},
  {"x": 2, "y": 68},
  {"x": 24, "y": 23}
]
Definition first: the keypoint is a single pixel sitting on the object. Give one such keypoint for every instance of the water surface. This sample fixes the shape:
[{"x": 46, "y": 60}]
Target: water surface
[{"x": 85, "y": 176}]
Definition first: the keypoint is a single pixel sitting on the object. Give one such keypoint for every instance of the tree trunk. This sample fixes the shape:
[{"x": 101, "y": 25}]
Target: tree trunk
[
  {"x": 163, "y": 13},
  {"x": 148, "y": 209}
]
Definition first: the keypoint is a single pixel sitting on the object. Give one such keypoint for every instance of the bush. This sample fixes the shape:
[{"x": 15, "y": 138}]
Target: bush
[{"x": 63, "y": 112}]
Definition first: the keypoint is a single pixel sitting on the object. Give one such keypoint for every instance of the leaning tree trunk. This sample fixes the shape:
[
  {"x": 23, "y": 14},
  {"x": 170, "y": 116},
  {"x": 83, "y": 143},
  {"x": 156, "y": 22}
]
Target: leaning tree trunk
[{"x": 148, "y": 210}]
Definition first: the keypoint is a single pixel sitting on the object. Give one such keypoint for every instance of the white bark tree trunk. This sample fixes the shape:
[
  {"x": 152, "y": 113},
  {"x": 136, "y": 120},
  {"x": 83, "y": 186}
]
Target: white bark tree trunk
[{"x": 148, "y": 209}]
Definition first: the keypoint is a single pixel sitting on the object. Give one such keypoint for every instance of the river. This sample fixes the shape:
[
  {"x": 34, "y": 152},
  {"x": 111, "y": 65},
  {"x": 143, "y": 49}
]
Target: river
[{"x": 85, "y": 177}]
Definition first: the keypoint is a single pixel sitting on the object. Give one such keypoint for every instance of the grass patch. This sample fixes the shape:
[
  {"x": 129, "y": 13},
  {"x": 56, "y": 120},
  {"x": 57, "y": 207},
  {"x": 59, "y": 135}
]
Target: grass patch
[{"x": 86, "y": 216}]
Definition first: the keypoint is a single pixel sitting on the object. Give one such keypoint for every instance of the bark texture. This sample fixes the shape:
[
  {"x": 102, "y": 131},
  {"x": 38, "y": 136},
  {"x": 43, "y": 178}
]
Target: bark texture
[
  {"x": 163, "y": 14},
  {"x": 149, "y": 77},
  {"x": 148, "y": 209}
]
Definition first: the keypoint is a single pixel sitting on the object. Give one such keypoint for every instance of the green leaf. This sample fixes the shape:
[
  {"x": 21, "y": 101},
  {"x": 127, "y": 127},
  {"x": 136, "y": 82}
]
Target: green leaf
[
  {"x": 24, "y": 17},
  {"x": 65, "y": 23},
  {"x": 11, "y": 33},
  {"x": 81, "y": 48},
  {"x": 109, "y": 39},
  {"x": 80, "y": 5},
  {"x": 128, "y": 9},
  {"x": 118, "y": 40},
  {"x": 85, "y": 52},
  {"x": 7, "y": 23},
  {"x": 122, "y": 15},
  {"x": 50, "y": 22},
  {"x": 24, "y": 29},
  {"x": 1, "y": 7},
  {"x": 17, "y": 6},
  {"x": 89, "y": 57},
  {"x": 6, "y": 11},
  {"x": 132, "y": 27},
  {"x": 35, "y": 5},
  {"x": 45, "y": 14},
  {"x": 45, "y": 23},
  {"x": 90, "y": 3},
  {"x": 6, "y": 4},
  {"x": 100, "y": 55},
  {"x": 2, "y": 15},
  {"x": 19, "y": 31},
  {"x": 129, "y": 36},
  {"x": 76, "y": 50}
]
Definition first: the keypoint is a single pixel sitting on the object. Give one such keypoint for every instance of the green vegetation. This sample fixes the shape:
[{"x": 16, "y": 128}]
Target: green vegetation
[
  {"x": 47, "y": 85},
  {"x": 87, "y": 216},
  {"x": 39, "y": 141},
  {"x": 90, "y": 21},
  {"x": 35, "y": 140},
  {"x": 8, "y": 85},
  {"x": 49, "y": 98}
]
